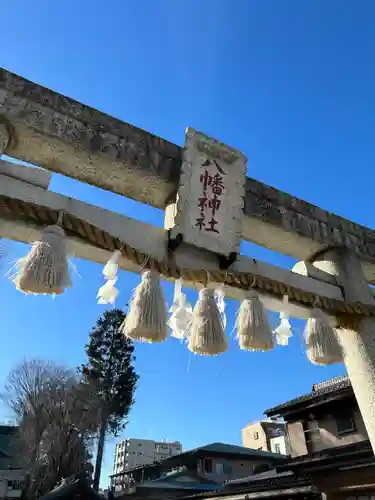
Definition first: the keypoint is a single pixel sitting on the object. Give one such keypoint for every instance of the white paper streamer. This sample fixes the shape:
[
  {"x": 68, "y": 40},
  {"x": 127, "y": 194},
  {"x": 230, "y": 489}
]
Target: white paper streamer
[
  {"x": 181, "y": 317},
  {"x": 111, "y": 268},
  {"x": 180, "y": 320},
  {"x": 176, "y": 296},
  {"x": 107, "y": 294},
  {"x": 220, "y": 296},
  {"x": 284, "y": 330}
]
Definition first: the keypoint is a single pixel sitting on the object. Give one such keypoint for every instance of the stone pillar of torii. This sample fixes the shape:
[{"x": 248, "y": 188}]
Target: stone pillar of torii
[{"x": 210, "y": 206}]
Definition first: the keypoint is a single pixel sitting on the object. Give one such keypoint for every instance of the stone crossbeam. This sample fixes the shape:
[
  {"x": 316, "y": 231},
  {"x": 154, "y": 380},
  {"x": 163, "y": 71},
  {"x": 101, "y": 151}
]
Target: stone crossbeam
[
  {"x": 150, "y": 240},
  {"x": 65, "y": 136},
  {"x": 35, "y": 176}
]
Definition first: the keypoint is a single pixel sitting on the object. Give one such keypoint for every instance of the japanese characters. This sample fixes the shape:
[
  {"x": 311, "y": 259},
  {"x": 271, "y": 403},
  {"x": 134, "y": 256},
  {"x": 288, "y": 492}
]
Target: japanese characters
[
  {"x": 208, "y": 208},
  {"x": 210, "y": 200}
]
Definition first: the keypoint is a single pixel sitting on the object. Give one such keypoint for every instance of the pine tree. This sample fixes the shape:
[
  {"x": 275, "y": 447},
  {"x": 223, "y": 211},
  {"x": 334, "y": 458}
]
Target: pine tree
[{"x": 110, "y": 371}]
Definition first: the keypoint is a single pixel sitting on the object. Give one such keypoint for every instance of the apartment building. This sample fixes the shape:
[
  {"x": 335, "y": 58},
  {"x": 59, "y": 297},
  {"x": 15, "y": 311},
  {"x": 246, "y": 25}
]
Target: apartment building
[
  {"x": 266, "y": 435},
  {"x": 132, "y": 452},
  {"x": 205, "y": 468},
  {"x": 326, "y": 417}
]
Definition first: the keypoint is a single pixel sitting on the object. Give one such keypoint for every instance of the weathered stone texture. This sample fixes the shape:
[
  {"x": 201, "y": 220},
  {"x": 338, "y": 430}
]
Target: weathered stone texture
[
  {"x": 4, "y": 137},
  {"x": 359, "y": 346},
  {"x": 68, "y": 137},
  {"x": 281, "y": 210},
  {"x": 65, "y": 136}
]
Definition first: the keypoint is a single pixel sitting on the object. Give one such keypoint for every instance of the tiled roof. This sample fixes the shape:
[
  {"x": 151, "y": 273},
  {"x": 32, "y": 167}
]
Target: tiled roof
[
  {"x": 259, "y": 477},
  {"x": 214, "y": 448},
  {"x": 273, "y": 485},
  {"x": 324, "y": 388},
  {"x": 180, "y": 485},
  {"x": 255, "y": 495},
  {"x": 329, "y": 383},
  {"x": 348, "y": 454},
  {"x": 236, "y": 450}
]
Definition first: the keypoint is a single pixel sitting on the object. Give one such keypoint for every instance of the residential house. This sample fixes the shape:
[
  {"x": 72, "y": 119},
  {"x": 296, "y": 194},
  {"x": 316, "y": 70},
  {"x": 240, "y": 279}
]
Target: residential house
[
  {"x": 272, "y": 485},
  {"x": 332, "y": 458},
  {"x": 266, "y": 435},
  {"x": 343, "y": 472},
  {"x": 326, "y": 417},
  {"x": 340, "y": 473},
  {"x": 201, "y": 469},
  {"x": 132, "y": 452},
  {"x": 12, "y": 475}
]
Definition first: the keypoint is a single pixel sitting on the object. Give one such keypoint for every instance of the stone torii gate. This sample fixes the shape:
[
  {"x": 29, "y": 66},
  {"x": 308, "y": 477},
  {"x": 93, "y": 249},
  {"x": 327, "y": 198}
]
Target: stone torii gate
[{"x": 337, "y": 257}]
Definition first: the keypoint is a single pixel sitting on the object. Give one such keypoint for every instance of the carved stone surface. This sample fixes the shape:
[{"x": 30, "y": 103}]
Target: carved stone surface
[
  {"x": 296, "y": 216},
  {"x": 65, "y": 136},
  {"x": 4, "y": 138},
  {"x": 208, "y": 210},
  {"x": 358, "y": 346}
]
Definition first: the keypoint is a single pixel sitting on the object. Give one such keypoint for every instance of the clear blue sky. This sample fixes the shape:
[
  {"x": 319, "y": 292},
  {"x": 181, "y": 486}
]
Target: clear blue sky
[{"x": 289, "y": 82}]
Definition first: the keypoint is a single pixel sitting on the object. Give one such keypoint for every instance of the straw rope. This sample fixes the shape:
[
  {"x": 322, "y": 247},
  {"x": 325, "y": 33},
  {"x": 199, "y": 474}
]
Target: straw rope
[{"x": 14, "y": 209}]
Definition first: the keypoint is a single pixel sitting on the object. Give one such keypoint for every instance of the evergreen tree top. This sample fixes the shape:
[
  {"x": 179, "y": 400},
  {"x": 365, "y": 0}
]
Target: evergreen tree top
[{"x": 110, "y": 369}]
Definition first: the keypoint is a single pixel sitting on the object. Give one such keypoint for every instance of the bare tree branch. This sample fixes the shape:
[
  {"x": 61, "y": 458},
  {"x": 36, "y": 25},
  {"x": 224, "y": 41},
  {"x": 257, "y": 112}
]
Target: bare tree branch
[{"x": 57, "y": 418}]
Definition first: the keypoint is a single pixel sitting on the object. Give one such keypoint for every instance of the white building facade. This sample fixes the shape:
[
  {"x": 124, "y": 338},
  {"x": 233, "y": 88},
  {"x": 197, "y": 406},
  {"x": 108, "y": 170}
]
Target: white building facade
[
  {"x": 133, "y": 452},
  {"x": 279, "y": 444},
  {"x": 267, "y": 435}
]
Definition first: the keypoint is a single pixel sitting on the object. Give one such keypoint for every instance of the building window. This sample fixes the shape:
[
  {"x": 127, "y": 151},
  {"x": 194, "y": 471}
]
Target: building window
[
  {"x": 14, "y": 484},
  {"x": 345, "y": 423},
  {"x": 277, "y": 448},
  {"x": 207, "y": 465},
  {"x": 219, "y": 468},
  {"x": 256, "y": 435}
]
